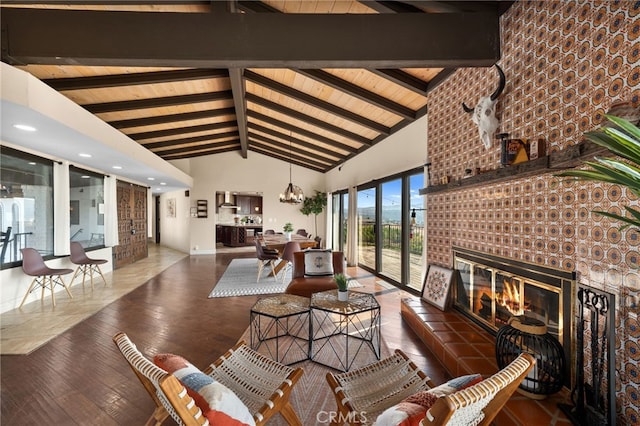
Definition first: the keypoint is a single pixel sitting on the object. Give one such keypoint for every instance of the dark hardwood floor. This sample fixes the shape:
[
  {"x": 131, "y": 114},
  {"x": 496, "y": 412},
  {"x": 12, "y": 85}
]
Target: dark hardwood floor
[{"x": 79, "y": 377}]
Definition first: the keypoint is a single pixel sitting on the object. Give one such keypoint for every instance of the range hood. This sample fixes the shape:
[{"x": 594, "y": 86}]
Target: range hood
[{"x": 227, "y": 202}]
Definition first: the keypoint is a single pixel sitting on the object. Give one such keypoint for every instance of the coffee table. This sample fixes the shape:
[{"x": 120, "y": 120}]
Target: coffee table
[
  {"x": 343, "y": 332},
  {"x": 279, "y": 328}
]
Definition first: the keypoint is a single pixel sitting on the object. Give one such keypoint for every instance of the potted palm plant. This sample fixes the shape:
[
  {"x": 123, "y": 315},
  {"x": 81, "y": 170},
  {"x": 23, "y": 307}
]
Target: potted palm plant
[
  {"x": 343, "y": 287},
  {"x": 622, "y": 138},
  {"x": 288, "y": 229}
]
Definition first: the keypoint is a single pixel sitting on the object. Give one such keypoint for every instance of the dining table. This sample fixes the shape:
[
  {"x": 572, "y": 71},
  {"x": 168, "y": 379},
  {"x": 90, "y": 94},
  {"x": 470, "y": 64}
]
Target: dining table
[{"x": 278, "y": 241}]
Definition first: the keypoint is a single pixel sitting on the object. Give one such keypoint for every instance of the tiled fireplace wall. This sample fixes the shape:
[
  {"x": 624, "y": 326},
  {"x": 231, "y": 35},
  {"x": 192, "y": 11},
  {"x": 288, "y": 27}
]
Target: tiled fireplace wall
[{"x": 566, "y": 63}]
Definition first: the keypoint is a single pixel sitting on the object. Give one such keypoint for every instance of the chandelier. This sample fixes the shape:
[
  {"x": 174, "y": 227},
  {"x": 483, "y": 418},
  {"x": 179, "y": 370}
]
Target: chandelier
[{"x": 293, "y": 194}]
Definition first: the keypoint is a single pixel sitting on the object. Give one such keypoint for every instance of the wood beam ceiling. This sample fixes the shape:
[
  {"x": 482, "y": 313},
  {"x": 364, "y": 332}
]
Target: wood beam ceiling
[{"x": 407, "y": 40}]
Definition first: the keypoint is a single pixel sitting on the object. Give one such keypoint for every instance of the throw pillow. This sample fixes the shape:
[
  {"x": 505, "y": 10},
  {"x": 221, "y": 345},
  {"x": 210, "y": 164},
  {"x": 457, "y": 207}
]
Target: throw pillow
[
  {"x": 218, "y": 403},
  {"x": 318, "y": 263},
  {"x": 414, "y": 408}
]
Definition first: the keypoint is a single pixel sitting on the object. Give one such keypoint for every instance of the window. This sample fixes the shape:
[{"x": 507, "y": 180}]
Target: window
[
  {"x": 86, "y": 194},
  {"x": 26, "y": 202}
]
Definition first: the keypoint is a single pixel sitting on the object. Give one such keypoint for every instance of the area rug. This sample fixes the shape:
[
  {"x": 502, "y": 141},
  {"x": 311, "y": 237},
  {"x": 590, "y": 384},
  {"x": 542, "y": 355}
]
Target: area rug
[
  {"x": 240, "y": 280},
  {"x": 312, "y": 398}
]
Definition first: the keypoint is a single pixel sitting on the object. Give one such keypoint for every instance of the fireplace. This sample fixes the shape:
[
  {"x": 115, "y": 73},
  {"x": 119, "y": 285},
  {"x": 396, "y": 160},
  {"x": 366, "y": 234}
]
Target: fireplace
[{"x": 491, "y": 290}]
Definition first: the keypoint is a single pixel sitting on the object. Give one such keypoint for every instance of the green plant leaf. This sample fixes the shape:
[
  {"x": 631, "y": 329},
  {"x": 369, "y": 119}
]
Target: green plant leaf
[{"x": 623, "y": 139}]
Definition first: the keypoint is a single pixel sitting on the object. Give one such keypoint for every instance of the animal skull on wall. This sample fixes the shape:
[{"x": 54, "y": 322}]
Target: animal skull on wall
[{"x": 484, "y": 113}]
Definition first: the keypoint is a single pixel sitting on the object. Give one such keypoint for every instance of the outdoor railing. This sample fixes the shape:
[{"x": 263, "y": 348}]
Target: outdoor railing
[{"x": 392, "y": 237}]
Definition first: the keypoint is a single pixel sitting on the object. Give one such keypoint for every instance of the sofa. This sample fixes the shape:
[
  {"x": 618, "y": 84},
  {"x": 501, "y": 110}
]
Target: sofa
[{"x": 304, "y": 285}]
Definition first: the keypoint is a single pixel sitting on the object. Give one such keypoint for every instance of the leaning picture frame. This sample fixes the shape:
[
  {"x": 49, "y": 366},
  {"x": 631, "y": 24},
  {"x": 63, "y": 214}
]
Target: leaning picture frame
[{"x": 437, "y": 286}]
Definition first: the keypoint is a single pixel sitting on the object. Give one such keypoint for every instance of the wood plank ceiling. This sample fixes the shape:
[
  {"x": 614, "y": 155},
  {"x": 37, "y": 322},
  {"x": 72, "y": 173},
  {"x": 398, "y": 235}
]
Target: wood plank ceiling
[{"x": 314, "y": 92}]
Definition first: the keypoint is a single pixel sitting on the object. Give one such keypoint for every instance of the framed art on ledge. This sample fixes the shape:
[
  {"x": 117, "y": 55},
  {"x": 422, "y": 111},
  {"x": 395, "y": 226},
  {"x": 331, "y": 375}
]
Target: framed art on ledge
[{"x": 437, "y": 285}]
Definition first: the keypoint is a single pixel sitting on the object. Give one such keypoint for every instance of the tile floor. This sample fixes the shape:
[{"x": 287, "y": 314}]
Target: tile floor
[{"x": 465, "y": 348}]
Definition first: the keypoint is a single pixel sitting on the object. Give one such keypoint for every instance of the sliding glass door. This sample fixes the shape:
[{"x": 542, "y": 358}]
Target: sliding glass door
[
  {"x": 391, "y": 229},
  {"x": 390, "y": 226},
  {"x": 366, "y": 227}
]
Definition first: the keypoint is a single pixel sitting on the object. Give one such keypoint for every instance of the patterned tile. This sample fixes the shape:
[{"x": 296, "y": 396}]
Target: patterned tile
[{"x": 566, "y": 63}]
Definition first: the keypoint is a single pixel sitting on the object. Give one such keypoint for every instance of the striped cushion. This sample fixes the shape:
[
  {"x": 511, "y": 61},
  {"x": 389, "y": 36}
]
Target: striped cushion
[{"x": 217, "y": 402}]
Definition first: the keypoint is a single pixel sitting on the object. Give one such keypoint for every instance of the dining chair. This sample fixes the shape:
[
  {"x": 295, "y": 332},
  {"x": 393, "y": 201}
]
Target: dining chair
[
  {"x": 287, "y": 256},
  {"x": 86, "y": 265},
  {"x": 265, "y": 257},
  {"x": 43, "y": 276},
  {"x": 269, "y": 232},
  {"x": 302, "y": 232}
]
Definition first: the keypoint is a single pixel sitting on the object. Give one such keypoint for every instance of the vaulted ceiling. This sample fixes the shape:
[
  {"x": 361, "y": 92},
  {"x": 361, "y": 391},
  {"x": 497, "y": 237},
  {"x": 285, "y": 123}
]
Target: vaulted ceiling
[{"x": 311, "y": 82}]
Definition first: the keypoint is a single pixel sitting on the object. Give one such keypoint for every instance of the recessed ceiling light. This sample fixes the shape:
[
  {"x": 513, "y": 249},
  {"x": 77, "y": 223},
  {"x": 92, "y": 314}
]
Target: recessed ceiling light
[
  {"x": 85, "y": 177},
  {"x": 85, "y": 155},
  {"x": 32, "y": 163},
  {"x": 163, "y": 183},
  {"x": 117, "y": 167},
  {"x": 151, "y": 178},
  {"x": 25, "y": 127}
]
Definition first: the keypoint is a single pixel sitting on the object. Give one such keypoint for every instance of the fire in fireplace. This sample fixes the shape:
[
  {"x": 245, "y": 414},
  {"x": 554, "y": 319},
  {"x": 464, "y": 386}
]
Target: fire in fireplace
[{"x": 491, "y": 290}]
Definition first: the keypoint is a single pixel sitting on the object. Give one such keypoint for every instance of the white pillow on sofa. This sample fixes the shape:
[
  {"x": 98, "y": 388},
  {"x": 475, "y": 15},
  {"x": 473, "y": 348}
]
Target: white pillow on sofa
[{"x": 318, "y": 263}]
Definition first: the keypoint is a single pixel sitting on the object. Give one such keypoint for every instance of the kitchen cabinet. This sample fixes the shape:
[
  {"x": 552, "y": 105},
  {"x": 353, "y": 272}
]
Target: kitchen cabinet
[
  {"x": 256, "y": 205},
  {"x": 244, "y": 204},
  {"x": 237, "y": 235},
  {"x": 249, "y": 204}
]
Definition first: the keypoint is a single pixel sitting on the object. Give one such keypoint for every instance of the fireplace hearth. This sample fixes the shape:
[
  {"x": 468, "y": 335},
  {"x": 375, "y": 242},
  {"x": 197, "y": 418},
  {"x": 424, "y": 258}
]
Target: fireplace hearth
[{"x": 492, "y": 290}]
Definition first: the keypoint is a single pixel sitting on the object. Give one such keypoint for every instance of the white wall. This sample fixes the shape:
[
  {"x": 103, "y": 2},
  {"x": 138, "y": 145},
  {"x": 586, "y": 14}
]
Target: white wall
[
  {"x": 231, "y": 172},
  {"x": 15, "y": 283},
  {"x": 175, "y": 231},
  {"x": 404, "y": 150}
]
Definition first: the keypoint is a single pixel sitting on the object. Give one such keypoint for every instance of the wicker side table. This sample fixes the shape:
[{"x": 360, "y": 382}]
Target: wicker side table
[{"x": 279, "y": 328}]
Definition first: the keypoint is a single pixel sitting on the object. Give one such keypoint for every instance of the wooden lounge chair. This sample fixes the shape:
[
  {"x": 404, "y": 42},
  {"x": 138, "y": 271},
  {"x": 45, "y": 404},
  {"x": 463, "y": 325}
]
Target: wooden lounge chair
[
  {"x": 262, "y": 384},
  {"x": 363, "y": 394}
]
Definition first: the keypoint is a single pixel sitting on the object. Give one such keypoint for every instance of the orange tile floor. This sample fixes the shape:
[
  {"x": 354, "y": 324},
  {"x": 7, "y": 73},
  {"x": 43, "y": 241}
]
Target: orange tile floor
[{"x": 465, "y": 348}]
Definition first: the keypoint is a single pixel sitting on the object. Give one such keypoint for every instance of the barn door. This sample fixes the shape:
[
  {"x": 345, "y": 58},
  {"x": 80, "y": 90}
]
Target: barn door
[{"x": 132, "y": 224}]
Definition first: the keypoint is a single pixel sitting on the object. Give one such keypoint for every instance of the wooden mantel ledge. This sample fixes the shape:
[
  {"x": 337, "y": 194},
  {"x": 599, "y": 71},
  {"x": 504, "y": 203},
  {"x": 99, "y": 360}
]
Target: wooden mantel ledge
[{"x": 568, "y": 158}]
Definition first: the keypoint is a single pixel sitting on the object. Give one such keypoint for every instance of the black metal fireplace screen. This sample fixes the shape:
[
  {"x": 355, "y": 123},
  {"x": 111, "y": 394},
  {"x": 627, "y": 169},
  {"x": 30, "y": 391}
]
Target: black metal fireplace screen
[{"x": 491, "y": 290}]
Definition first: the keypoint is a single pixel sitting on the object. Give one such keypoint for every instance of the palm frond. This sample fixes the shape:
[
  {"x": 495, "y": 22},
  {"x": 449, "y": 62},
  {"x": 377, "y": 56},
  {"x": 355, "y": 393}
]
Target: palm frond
[{"x": 623, "y": 139}]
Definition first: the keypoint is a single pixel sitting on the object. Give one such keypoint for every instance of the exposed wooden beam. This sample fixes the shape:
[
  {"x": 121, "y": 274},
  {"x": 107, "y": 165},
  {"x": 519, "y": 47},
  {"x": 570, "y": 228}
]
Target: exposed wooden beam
[
  {"x": 192, "y": 139},
  {"x": 306, "y": 118},
  {"x": 200, "y": 153},
  {"x": 298, "y": 142},
  {"x": 192, "y": 148},
  {"x": 181, "y": 130},
  {"x": 284, "y": 156},
  {"x": 358, "y": 92},
  {"x": 170, "y": 118},
  {"x": 256, "y": 7},
  {"x": 315, "y": 102},
  {"x": 245, "y": 40},
  {"x": 323, "y": 159},
  {"x": 158, "y": 102},
  {"x": 240, "y": 105},
  {"x": 382, "y": 6},
  {"x": 100, "y": 81},
  {"x": 403, "y": 79},
  {"x": 298, "y": 130}
]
